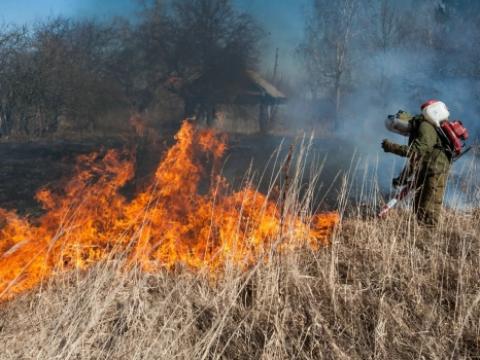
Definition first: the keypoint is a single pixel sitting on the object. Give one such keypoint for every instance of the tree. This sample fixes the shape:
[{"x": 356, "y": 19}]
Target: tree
[
  {"x": 326, "y": 49},
  {"x": 71, "y": 59},
  {"x": 13, "y": 42},
  {"x": 193, "y": 38},
  {"x": 387, "y": 31},
  {"x": 57, "y": 68}
]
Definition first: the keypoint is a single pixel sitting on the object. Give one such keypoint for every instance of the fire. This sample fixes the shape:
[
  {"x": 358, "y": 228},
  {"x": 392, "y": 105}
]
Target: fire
[{"x": 172, "y": 221}]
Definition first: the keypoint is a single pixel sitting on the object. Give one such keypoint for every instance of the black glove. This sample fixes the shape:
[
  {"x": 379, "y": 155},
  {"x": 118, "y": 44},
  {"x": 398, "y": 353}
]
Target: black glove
[{"x": 387, "y": 145}]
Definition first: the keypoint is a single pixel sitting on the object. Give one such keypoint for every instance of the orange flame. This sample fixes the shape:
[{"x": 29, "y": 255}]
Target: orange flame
[{"x": 171, "y": 222}]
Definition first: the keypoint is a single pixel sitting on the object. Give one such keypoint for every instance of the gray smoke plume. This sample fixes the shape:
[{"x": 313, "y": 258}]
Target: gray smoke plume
[{"x": 429, "y": 54}]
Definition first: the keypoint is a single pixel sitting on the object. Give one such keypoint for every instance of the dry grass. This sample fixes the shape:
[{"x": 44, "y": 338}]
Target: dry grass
[{"x": 383, "y": 290}]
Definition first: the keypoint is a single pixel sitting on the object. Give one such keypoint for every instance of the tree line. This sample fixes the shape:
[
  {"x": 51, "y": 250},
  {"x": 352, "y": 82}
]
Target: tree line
[
  {"x": 387, "y": 51},
  {"x": 81, "y": 69},
  {"x": 354, "y": 54}
]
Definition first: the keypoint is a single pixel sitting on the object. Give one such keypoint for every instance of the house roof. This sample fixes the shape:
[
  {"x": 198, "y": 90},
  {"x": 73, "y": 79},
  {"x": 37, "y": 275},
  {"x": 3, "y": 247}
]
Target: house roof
[
  {"x": 265, "y": 85},
  {"x": 244, "y": 87}
]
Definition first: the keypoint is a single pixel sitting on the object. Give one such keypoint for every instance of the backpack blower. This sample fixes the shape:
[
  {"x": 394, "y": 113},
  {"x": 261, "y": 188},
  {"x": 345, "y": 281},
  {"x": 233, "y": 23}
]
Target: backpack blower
[{"x": 452, "y": 134}]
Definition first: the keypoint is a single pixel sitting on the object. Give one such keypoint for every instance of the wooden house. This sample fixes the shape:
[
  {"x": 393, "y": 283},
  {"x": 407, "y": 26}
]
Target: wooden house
[{"x": 239, "y": 103}]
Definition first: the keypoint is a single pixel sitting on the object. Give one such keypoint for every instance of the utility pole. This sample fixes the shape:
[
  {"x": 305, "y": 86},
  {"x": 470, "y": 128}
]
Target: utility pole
[
  {"x": 275, "y": 67},
  {"x": 272, "y": 109}
]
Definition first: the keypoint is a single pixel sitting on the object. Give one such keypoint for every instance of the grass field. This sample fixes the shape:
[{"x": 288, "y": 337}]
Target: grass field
[{"x": 383, "y": 289}]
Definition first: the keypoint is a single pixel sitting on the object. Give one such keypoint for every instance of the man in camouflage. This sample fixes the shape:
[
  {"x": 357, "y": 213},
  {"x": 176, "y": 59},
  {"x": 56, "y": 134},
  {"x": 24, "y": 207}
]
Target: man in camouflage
[{"x": 429, "y": 163}]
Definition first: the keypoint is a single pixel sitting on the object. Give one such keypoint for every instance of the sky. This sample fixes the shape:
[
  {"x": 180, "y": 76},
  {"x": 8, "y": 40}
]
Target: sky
[
  {"x": 283, "y": 20},
  {"x": 22, "y": 11}
]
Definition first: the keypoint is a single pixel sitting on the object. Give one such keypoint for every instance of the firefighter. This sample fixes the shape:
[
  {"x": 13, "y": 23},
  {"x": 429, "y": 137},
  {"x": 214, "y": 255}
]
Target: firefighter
[{"x": 429, "y": 163}]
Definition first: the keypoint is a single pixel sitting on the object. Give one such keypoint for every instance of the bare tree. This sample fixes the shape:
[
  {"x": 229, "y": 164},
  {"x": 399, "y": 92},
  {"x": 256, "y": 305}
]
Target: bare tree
[
  {"x": 387, "y": 31},
  {"x": 389, "y": 24},
  {"x": 82, "y": 69},
  {"x": 71, "y": 62},
  {"x": 192, "y": 38},
  {"x": 57, "y": 68},
  {"x": 13, "y": 42},
  {"x": 326, "y": 49}
]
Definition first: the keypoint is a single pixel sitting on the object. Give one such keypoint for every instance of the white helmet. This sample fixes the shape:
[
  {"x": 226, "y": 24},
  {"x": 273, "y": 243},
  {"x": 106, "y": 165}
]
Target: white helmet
[
  {"x": 435, "y": 111},
  {"x": 399, "y": 123}
]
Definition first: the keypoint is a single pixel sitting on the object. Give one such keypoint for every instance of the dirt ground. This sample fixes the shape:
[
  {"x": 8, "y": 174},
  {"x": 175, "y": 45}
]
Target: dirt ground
[{"x": 28, "y": 166}]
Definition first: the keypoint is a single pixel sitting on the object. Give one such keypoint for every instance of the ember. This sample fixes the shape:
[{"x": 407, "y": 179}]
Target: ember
[{"x": 170, "y": 222}]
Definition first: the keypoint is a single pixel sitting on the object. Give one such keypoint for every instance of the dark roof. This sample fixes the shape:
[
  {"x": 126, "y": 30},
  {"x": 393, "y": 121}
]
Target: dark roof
[
  {"x": 246, "y": 87},
  {"x": 265, "y": 85}
]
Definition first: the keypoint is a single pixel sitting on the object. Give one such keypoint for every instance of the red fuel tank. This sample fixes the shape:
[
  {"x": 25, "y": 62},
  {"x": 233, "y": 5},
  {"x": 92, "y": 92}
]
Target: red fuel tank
[{"x": 455, "y": 132}]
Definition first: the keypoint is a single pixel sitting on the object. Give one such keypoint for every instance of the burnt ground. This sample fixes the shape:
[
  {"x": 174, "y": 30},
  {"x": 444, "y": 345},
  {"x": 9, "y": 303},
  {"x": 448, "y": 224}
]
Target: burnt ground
[
  {"x": 28, "y": 166},
  {"x": 335, "y": 155}
]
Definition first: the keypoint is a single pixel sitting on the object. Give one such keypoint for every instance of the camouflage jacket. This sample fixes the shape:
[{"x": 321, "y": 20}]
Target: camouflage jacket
[{"x": 425, "y": 147}]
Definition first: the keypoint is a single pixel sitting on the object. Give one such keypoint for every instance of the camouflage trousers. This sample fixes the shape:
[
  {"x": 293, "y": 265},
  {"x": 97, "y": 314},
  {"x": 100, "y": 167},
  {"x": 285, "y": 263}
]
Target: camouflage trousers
[{"x": 429, "y": 195}]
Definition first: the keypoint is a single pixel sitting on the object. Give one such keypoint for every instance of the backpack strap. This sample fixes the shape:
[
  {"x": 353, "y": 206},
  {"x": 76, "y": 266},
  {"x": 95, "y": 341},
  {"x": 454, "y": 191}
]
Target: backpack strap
[{"x": 443, "y": 143}]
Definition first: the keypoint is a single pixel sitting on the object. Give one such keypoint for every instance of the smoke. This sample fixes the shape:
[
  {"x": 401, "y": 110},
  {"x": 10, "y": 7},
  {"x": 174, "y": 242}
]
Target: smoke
[
  {"x": 401, "y": 80},
  {"x": 382, "y": 80},
  {"x": 436, "y": 61}
]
